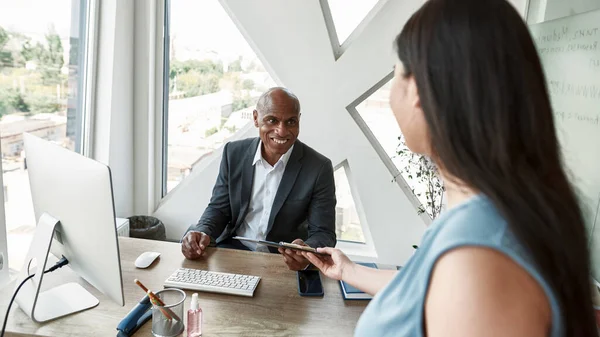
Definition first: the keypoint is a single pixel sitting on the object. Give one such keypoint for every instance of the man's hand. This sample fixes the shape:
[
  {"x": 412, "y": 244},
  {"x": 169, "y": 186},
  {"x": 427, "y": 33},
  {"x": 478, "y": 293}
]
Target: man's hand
[
  {"x": 293, "y": 258},
  {"x": 194, "y": 244}
]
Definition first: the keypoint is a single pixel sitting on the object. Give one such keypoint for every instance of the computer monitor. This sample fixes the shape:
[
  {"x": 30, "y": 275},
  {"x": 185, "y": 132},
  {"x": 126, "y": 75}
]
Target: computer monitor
[{"x": 73, "y": 203}]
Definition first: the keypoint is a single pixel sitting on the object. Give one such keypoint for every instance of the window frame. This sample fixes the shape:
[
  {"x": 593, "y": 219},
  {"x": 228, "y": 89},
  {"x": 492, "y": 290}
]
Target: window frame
[
  {"x": 387, "y": 161},
  {"x": 361, "y": 251},
  {"x": 87, "y": 85},
  {"x": 357, "y": 204},
  {"x": 164, "y": 134},
  {"x": 338, "y": 48}
]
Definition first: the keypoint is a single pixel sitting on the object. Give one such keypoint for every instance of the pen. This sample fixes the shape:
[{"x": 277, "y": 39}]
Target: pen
[
  {"x": 152, "y": 296},
  {"x": 154, "y": 301}
]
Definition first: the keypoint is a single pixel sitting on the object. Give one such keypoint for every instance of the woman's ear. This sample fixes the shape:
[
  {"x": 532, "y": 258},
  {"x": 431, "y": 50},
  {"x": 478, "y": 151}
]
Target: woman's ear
[{"x": 413, "y": 93}]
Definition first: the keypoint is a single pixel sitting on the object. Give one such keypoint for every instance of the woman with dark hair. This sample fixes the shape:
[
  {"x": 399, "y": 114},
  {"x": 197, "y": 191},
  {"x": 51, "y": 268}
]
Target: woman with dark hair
[{"x": 509, "y": 256}]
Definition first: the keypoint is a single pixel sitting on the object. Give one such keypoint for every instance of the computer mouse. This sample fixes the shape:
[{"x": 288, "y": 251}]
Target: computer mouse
[{"x": 145, "y": 259}]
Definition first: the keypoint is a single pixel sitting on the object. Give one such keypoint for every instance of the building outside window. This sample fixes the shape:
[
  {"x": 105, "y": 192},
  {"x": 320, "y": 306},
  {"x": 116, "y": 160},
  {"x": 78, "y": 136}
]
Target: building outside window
[
  {"x": 215, "y": 79},
  {"x": 41, "y": 67}
]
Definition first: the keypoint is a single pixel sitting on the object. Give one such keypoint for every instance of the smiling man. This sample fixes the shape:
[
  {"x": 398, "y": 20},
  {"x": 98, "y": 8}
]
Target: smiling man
[{"x": 271, "y": 188}]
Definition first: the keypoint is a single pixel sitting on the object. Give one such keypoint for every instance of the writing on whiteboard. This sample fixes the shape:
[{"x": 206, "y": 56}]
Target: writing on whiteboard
[
  {"x": 590, "y": 119},
  {"x": 582, "y": 33},
  {"x": 564, "y": 33},
  {"x": 556, "y": 35},
  {"x": 571, "y": 47},
  {"x": 590, "y": 91}
]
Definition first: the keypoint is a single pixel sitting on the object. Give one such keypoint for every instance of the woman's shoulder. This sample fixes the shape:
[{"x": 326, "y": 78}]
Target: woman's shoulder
[
  {"x": 480, "y": 282},
  {"x": 475, "y": 221},
  {"x": 474, "y": 256}
]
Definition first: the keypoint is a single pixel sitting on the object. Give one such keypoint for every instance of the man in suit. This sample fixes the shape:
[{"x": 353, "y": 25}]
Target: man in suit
[{"x": 271, "y": 188}]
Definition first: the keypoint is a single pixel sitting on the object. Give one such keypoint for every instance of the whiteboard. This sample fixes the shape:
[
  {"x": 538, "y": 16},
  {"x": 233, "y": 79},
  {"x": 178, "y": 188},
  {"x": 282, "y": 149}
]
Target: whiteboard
[{"x": 570, "y": 52}]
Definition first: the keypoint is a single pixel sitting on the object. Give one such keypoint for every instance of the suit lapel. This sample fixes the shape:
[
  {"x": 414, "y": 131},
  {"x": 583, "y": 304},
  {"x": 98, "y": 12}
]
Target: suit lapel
[
  {"x": 287, "y": 181},
  {"x": 247, "y": 180}
]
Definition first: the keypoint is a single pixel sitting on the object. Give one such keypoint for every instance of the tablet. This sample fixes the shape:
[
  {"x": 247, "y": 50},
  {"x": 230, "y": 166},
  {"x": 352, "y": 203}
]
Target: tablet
[{"x": 279, "y": 245}]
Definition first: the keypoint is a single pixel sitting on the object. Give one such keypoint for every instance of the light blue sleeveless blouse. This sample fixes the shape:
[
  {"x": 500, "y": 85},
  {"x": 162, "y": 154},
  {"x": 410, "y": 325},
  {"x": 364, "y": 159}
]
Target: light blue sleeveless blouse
[{"x": 397, "y": 309}]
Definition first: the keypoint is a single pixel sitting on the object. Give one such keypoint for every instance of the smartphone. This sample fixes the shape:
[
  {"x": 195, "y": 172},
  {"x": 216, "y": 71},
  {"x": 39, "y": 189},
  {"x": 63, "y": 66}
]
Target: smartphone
[{"x": 309, "y": 283}]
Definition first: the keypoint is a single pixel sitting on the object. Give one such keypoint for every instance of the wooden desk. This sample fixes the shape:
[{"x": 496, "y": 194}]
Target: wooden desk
[{"x": 275, "y": 310}]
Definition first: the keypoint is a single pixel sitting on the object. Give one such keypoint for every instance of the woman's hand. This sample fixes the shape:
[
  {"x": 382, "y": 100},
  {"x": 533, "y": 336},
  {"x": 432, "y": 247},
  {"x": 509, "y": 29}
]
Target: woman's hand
[{"x": 333, "y": 265}]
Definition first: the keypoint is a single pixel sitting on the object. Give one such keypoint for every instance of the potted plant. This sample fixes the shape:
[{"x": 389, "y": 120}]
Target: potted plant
[{"x": 422, "y": 177}]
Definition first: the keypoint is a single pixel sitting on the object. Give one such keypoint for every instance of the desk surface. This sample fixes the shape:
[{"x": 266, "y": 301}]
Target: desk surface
[{"x": 275, "y": 310}]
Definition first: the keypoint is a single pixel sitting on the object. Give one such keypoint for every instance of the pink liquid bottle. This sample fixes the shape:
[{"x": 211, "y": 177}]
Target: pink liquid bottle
[{"x": 194, "y": 318}]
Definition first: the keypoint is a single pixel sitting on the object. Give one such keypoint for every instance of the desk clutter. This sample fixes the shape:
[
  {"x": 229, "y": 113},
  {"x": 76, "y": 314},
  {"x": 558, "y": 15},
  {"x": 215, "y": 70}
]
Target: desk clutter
[
  {"x": 165, "y": 308},
  {"x": 167, "y": 315},
  {"x": 303, "y": 315}
]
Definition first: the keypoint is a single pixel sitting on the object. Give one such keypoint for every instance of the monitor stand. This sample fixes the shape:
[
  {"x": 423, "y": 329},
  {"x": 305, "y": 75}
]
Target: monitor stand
[{"x": 56, "y": 302}]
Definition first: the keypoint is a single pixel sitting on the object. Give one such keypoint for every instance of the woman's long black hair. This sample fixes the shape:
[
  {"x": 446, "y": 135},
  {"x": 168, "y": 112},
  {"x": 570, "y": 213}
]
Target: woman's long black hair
[{"x": 485, "y": 100}]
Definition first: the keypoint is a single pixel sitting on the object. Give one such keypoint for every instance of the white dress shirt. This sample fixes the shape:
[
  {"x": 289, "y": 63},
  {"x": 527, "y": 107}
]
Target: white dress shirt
[{"x": 264, "y": 188}]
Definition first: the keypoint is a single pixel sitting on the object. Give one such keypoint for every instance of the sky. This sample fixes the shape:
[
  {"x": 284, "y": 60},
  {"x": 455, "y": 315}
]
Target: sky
[
  {"x": 204, "y": 25},
  {"x": 347, "y": 14},
  {"x": 35, "y": 16}
]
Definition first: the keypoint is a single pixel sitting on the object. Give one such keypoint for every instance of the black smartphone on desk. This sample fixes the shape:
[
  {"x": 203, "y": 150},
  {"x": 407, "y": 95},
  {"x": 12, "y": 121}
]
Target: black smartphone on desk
[{"x": 309, "y": 283}]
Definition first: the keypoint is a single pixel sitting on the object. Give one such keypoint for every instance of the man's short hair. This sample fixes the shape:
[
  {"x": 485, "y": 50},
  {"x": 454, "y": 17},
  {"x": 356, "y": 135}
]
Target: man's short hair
[{"x": 265, "y": 100}]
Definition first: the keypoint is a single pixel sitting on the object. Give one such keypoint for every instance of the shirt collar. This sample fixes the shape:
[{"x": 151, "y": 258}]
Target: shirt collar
[{"x": 284, "y": 158}]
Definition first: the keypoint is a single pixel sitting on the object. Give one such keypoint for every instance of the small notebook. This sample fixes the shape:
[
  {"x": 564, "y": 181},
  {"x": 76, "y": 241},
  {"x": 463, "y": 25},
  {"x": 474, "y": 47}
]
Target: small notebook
[{"x": 351, "y": 293}]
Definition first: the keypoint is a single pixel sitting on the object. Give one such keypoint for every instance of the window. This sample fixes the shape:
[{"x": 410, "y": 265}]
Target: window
[
  {"x": 41, "y": 67},
  {"x": 347, "y": 15},
  {"x": 214, "y": 82},
  {"x": 347, "y": 222},
  {"x": 417, "y": 171}
]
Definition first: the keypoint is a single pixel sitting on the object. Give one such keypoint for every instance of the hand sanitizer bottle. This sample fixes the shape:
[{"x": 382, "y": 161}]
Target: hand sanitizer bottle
[{"x": 194, "y": 318}]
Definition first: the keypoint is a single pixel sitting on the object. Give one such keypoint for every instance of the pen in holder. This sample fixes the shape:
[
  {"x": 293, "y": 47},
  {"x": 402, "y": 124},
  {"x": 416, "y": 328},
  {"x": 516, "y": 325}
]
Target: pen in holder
[
  {"x": 168, "y": 313},
  {"x": 166, "y": 318},
  {"x": 160, "y": 306}
]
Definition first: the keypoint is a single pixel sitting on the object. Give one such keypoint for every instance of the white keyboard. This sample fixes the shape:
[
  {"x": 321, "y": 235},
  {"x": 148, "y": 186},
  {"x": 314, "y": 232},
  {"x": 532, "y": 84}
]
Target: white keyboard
[{"x": 212, "y": 281}]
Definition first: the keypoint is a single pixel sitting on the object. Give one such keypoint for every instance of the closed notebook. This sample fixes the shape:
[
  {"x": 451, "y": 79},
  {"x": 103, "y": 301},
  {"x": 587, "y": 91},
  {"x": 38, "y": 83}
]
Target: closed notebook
[{"x": 351, "y": 293}]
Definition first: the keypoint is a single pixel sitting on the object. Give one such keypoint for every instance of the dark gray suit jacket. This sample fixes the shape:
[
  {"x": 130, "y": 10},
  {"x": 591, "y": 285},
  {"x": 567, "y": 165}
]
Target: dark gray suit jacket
[{"x": 304, "y": 206}]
